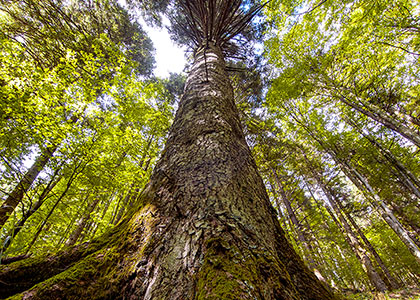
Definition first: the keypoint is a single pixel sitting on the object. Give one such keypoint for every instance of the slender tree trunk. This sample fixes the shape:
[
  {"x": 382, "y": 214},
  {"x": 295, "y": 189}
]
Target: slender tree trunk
[
  {"x": 279, "y": 211},
  {"x": 127, "y": 202},
  {"x": 362, "y": 184},
  {"x": 19, "y": 225},
  {"x": 42, "y": 225},
  {"x": 290, "y": 210},
  {"x": 342, "y": 230},
  {"x": 408, "y": 221},
  {"x": 318, "y": 253},
  {"x": 298, "y": 226},
  {"x": 92, "y": 227},
  {"x": 410, "y": 181},
  {"x": 383, "y": 118},
  {"x": 83, "y": 222},
  {"x": 205, "y": 228},
  {"x": 386, "y": 213},
  {"x": 392, "y": 282},
  {"x": 288, "y": 230},
  {"x": 81, "y": 164},
  {"x": 352, "y": 283},
  {"x": 16, "y": 196},
  {"x": 354, "y": 241},
  {"x": 134, "y": 192}
]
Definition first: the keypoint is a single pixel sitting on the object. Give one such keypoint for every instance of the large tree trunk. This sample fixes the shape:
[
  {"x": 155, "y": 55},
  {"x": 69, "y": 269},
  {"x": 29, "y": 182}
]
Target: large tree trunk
[{"x": 205, "y": 228}]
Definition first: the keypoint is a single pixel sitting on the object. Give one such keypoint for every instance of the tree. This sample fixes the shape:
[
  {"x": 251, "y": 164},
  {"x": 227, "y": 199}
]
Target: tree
[
  {"x": 70, "y": 74},
  {"x": 203, "y": 228},
  {"x": 367, "y": 66},
  {"x": 313, "y": 122},
  {"x": 339, "y": 61},
  {"x": 47, "y": 32}
]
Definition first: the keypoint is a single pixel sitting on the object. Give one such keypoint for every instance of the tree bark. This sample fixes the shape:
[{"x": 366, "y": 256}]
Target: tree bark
[{"x": 204, "y": 228}]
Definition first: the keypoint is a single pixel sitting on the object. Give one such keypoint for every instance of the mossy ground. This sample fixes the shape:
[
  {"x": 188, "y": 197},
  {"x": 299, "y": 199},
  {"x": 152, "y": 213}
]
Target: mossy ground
[{"x": 107, "y": 260}]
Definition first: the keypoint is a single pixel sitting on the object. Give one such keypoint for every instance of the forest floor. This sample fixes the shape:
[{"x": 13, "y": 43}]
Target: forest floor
[{"x": 403, "y": 294}]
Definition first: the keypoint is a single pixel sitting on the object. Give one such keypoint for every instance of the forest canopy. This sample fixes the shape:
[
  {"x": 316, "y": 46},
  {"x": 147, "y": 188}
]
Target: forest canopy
[{"x": 327, "y": 94}]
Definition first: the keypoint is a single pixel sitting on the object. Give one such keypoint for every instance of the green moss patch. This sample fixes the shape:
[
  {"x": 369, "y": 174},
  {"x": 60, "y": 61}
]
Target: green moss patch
[{"x": 228, "y": 273}]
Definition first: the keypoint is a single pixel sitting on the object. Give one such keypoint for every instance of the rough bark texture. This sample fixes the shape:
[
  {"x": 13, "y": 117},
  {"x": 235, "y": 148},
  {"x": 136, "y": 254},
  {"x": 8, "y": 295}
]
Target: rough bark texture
[{"x": 204, "y": 227}]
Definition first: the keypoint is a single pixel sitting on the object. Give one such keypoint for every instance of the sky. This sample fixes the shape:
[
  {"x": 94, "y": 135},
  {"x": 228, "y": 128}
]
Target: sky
[{"x": 169, "y": 57}]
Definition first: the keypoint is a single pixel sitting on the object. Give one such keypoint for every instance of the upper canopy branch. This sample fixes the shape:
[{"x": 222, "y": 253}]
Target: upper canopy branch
[{"x": 218, "y": 21}]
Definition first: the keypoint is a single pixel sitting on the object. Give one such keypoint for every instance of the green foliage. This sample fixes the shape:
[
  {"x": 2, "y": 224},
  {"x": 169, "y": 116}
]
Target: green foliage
[
  {"x": 341, "y": 73},
  {"x": 84, "y": 100},
  {"x": 344, "y": 91}
]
